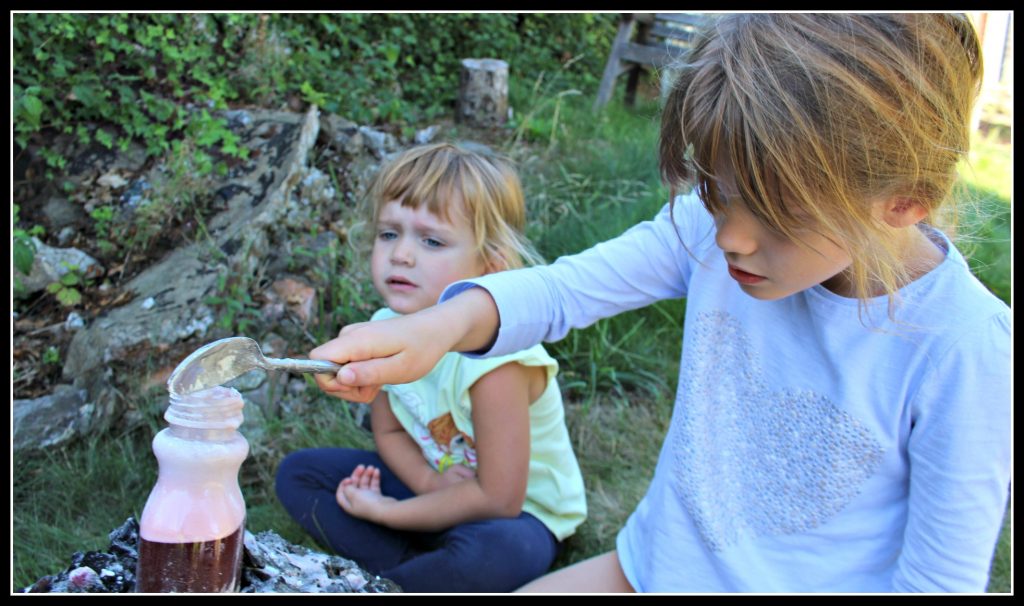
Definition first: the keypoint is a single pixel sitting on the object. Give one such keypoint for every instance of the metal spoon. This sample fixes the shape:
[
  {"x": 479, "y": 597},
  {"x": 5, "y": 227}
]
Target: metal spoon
[{"x": 217, "y": 363}]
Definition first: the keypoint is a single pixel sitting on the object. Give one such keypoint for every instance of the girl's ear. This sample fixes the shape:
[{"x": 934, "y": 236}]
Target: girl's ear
[
  {"x": 901, "y": 211},
  {"x": 494, "y": 264}
]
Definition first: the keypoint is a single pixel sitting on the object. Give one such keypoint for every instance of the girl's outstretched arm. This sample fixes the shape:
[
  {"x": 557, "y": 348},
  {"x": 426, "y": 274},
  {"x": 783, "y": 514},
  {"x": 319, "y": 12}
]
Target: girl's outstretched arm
[{"x": 403, "y": 349}]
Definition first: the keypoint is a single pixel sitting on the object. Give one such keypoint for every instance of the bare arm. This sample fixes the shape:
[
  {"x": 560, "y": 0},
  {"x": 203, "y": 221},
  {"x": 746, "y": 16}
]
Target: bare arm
[
  {"x": 398, "y": 449},
  {"x": 501, "y": 402},
  {"x": 403, "y": 349}
]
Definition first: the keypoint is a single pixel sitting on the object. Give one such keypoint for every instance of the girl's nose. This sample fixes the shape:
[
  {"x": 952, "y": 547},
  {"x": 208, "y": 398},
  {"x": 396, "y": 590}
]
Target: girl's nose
[
  {"x": 401, "y": 252},
  {"x": 736, "y": 233}
]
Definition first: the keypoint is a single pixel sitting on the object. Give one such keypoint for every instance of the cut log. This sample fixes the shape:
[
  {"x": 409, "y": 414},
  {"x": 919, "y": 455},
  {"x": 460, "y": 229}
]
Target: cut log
[{"x": 483, "y": 93}]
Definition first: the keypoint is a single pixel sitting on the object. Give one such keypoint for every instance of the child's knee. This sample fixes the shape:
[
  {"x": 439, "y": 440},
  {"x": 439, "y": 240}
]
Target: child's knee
[
  {"x": 502, "y": 556},
  {"x": 291, "y": 466}
]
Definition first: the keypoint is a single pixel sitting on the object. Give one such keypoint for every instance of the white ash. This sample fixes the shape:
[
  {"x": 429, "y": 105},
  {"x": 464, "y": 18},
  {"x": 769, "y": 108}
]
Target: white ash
[{"x": 269, "y": 565}]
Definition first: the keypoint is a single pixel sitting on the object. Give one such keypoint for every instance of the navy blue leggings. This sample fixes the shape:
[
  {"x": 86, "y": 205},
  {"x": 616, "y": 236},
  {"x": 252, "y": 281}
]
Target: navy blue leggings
[{"x": 496, "y": 555}]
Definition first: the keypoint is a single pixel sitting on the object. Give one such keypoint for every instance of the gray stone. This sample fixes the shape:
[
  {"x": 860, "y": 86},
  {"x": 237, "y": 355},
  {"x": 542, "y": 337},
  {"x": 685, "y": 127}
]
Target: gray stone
[
  {"x": 50, "y": 420},
  {"x": 66, "y": 236},
  {"x": 426, "y": 135},
  {"x": 237, "y": 118},
  {"x": 261, "y": 198},
  {"x": 90, "y": 162},
  {"x": 343, "y": 135},
  {"x": 248, "y": 381},
  {"x": 377, "y": 142},
  {"x": 275, "y": 345},
  {"x": 74, "y": 321},
  {"x": 265, "y": 401},
  {"x": 50, "y": 263},
  {"x": 61, "y": 212},
  {"x": 282, "y": 567},
  {"x": 180, "y": 283}
]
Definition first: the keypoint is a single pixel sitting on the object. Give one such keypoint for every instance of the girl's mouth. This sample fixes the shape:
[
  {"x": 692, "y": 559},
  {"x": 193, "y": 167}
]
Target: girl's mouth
[
  {"x": 400, "y": 284},
  {"x": 744, "y": 277}
]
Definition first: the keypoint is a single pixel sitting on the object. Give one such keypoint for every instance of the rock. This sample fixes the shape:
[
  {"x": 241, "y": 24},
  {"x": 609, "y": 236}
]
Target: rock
[
  {"x": 260, "y": 198},
  {"x": 248, "y": 381},
  {"x": 74, "y": 321},
  {"x": 51, "y": 420},
  {"x": 112, "y": 180},
  {"x": 237, "y": 118},
  {"x": 66, "y": 236},
  {"x": 297, "y": 387},
  {"x": 158, "y": 378},
  {"x": 378, "y": 143},
  {"x": 49, "y": 264},
  {"x": 275, "y": 345},
  {"x": 182, "y": 281},
  {"x": 343, "y": 135},
  {"x": 89, "y": 163},
  {"x": 426, "y": 135},
  {"x": 266, "y": 403},
  {"x": 269, "y": 565},
  {"x": 84, "y": 579},
  {"x": 476, "y": 147},
  {"x": 61, "y": 213},
  {"x": 297, "y": 296},
  {"x": 135, "y": 196},
  {"x": 272, "y": 564},
  {"x": 272, "y": 311}
]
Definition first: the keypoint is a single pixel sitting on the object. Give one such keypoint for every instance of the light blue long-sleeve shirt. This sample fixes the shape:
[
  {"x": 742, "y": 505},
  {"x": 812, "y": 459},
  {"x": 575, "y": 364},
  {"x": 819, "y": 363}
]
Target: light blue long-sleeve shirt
[{"x": 806, "y": 452}]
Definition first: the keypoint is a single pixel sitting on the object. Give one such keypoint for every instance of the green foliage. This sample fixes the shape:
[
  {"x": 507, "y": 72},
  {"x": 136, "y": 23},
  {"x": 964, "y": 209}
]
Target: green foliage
[
  {"x": 65, "y": 289},
  {"x": 24, "y": 250},
  {"x": 135, "y": 74},
  {"x": 51, "y": 355},
  {"x": 238, "y": 309},
  {"x": 984, "y": 204},
  {"x": 103, "y": 222},
  {"x": 132, "y": 73}
]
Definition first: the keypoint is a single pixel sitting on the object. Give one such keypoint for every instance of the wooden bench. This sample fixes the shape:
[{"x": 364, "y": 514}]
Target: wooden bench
[{"x": 660, "y": 39}]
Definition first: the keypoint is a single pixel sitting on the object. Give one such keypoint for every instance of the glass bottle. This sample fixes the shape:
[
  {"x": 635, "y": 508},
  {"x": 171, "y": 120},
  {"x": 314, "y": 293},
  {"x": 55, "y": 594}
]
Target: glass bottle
[{"x": 191, "y": 530}]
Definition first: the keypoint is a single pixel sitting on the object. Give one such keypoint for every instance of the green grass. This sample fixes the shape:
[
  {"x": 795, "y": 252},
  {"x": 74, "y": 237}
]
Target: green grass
[
  {"x": 69, "y": 499},
  {"x": 984, "y": 234},
  {"x": 617, "y": 442},
  {"x": 587, "y": 179}
]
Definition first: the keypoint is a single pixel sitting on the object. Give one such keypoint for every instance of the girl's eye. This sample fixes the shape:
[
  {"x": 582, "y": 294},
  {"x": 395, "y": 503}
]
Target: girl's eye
[
  {"x": 432, "y": 243},
  {"x": 387, "y": 235}
]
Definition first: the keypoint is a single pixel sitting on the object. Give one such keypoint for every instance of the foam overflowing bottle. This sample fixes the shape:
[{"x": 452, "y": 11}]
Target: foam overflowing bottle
[{"x": 191, "y": 531}]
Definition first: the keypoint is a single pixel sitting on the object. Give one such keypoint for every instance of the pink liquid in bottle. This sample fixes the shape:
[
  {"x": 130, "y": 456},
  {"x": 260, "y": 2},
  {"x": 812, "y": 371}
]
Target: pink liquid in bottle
[{"x": 190, "y": 534}]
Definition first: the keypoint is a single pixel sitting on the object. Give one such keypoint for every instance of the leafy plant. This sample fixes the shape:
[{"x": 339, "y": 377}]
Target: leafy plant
[
  {"x": 65, "y": 289},
  {"x": 24, "y": 250},
  {"x": 137, "y": 73},
  {"x": 103, "y": 223},
  {"x": 51, "y": 355},
  {"x": 238, "y": 310}
]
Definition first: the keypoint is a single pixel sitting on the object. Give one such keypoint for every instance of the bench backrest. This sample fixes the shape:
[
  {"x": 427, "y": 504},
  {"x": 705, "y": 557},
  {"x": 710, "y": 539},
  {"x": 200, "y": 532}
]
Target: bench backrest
[
  {"x": 661, "y": 37},
  {"x": 644, "y": 40}
]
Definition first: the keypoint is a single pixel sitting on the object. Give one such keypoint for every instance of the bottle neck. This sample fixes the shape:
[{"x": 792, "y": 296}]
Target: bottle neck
[
  {"x": 207, "y": 414},
  {"x": 203, "y": 435}
]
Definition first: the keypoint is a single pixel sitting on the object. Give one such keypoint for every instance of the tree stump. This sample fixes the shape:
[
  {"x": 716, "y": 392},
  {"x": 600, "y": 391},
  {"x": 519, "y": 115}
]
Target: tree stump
[{"x": 483, "y": 92}]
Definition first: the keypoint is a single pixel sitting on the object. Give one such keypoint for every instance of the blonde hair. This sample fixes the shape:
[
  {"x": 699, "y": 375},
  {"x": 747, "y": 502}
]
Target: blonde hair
[
  {"x": 485, "y": 184},
  {"x": 815, "y": 115}
]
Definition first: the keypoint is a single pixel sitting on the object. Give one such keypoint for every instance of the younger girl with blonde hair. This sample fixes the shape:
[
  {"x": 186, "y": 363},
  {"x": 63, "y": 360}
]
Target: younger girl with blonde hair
[
  {"x": 474, "y": 483},
  {"x": 842, "y": 419}
]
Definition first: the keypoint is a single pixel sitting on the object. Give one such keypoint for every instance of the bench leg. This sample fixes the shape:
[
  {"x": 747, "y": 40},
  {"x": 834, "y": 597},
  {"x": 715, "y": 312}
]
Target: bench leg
[
  {"x": 631, "y": 83},
  {"x": 613, "y": 68}
]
